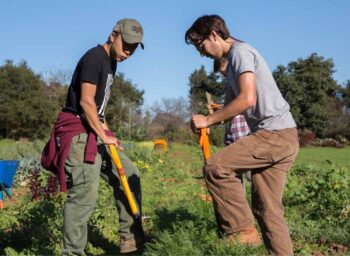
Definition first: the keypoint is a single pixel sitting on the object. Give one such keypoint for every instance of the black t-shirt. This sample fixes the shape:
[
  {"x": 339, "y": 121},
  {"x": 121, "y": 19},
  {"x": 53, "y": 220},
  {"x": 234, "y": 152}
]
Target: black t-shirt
[{"x": 97, "y": 68}]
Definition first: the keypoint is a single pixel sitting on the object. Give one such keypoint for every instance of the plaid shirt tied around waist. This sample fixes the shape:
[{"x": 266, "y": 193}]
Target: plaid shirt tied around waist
[{"x": 236, "y": 130}]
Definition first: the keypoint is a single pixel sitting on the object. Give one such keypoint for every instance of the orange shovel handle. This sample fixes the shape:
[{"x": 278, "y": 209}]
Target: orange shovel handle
[{"x": 204, "y": 143}]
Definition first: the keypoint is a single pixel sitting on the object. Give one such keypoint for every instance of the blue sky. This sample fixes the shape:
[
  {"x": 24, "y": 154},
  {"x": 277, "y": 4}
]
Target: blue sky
[{"x": 54, "y": 34}]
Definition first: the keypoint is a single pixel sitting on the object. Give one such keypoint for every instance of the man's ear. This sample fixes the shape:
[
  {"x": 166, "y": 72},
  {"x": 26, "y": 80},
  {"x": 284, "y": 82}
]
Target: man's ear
[
  {"x": 214, "y": 35},
  {"x": 113, "y": 36}
]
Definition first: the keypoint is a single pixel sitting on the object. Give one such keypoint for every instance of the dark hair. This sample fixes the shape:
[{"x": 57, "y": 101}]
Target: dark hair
[{"x": 203, "y": 26}]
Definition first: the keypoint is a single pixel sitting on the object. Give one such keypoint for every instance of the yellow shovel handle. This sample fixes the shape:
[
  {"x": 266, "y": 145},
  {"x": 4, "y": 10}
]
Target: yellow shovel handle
[{"x": 124, "y": 180}]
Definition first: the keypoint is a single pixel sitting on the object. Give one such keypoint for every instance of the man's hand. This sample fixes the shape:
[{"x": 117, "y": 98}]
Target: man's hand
[
  {"x": 112, "y": 140},
  {"x": 200, "y": 121}
]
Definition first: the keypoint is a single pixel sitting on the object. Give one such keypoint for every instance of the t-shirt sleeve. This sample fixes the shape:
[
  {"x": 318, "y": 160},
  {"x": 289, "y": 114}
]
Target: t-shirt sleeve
[
  {"x": 90, "y": 69},
  {"x": 243, "y": 60}
]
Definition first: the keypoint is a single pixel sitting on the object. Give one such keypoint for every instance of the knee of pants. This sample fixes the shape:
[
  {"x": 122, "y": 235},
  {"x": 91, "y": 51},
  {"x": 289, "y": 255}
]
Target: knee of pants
[
  {"x": 210, "y": 170},
  {"x": 261, "y": 211},
  {"x": 88, "y": 195},
  {"x": 207, "y": 170},
  {"x": 133, "y": 170},
  {"x": 94, "y": 192}
]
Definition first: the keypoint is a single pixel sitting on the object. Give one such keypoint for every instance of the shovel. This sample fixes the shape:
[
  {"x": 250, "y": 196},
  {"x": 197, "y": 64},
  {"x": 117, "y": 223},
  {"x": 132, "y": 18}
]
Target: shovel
[
  {"x": 204, "y": 143},
  {"x": 124, "y": 181},
  {"x": 203, "y": 134}
]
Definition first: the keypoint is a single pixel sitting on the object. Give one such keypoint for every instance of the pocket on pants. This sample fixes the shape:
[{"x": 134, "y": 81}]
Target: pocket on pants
[
  {"x": 262, "y": 148},
  {"x": 74, "y": 165},
  {"x": 75, "y": 175},
  {"x": 261, "y": 152}
]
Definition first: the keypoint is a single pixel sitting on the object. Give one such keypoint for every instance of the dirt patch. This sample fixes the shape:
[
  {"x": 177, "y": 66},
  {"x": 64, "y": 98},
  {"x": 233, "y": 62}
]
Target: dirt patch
[
  {"x": 338, "y": 248},
  {"x": 17, "y": 196}
]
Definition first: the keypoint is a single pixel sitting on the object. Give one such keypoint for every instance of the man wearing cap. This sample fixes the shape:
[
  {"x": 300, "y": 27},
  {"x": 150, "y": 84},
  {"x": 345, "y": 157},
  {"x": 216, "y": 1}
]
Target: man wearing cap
[{"x": 81, "y": 134}]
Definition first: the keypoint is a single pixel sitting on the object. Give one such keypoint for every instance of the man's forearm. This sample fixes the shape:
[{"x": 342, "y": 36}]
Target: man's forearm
[
  {"x": 104, "y": 125},
  {"x": 235, "y": 107},
  {"x": 91, "y": 115},
  {"x": 245, "y": 100}
]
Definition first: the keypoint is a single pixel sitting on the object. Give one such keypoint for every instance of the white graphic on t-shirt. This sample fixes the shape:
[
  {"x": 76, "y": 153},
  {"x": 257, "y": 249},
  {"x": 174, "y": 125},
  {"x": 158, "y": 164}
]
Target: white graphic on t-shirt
[{"x": 109, "y": 82}]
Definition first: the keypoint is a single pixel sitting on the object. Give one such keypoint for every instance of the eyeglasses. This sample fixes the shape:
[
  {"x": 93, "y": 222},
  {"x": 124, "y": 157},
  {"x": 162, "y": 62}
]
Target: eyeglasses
[{"x": 200, "y": 46}]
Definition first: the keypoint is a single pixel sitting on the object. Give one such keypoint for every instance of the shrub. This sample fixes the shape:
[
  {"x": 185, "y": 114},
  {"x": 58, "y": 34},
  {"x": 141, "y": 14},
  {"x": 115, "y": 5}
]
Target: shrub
[
  {"x": 306, "y": 137},
  {"x": 328, "y": 142},
  {"x": 38, "y": 228},
  {"x": 42, "y": 184},
  {"x": 319, "y": 198}
]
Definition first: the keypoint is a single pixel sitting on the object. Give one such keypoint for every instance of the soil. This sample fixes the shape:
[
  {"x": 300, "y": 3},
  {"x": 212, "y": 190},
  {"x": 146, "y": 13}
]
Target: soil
[{"x": 17, "y": 195}]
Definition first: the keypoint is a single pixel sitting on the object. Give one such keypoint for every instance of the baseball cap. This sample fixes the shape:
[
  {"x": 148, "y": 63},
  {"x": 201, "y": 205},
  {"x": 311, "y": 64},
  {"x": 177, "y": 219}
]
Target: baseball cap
[{"x": 131, "y": 31}]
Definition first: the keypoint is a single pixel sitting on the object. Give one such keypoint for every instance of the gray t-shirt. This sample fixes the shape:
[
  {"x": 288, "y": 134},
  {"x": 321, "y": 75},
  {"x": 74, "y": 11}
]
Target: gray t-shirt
[{"x": 271, "y": 112}]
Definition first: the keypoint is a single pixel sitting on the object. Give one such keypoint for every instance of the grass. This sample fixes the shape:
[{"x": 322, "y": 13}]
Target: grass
[
  {"x": 182, "y": 218},
  {"x": 183, "y": 221},
  {"x": 179, "y": 209},
  {"x": 318, "y": 156}
]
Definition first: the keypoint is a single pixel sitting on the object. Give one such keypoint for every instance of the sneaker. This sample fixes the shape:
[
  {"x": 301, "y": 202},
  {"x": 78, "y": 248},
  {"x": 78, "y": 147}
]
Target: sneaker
[{"x": 248, "y": 236}]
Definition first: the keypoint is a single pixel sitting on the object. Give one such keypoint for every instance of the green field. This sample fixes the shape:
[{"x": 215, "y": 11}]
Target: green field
[
  {"x": 178, "y": 208},
  {"x": 318, "y": 155}
]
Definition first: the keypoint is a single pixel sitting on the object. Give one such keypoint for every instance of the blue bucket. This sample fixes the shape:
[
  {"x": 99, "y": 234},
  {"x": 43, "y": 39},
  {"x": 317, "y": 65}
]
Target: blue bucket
[{"x": 7, "y": 172}]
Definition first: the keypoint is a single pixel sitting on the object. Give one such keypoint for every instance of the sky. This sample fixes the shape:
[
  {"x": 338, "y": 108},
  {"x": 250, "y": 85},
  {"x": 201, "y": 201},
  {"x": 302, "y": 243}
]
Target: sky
[{"x": 53, "y": 35}]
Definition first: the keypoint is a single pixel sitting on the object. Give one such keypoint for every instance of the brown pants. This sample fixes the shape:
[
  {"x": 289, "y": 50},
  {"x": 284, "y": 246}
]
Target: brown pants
[{"x": 269, "y": 154}]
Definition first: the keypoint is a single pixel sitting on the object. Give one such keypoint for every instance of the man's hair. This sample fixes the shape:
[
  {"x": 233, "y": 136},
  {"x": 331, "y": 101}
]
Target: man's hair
[
  {"x": 203, "y": 26},
  {"x": 218, "y": 63}
]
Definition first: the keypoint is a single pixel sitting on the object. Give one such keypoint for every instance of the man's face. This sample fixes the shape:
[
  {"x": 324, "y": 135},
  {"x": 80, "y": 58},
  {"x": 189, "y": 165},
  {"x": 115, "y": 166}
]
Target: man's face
[
  {"x": 121, "y": 50},
  {"x": 209, "y": 47}
]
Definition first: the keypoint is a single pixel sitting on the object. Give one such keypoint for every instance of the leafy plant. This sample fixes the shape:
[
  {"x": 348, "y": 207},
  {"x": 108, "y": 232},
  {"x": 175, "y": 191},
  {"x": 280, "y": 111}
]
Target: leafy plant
[{"x": 320, "y": 199}]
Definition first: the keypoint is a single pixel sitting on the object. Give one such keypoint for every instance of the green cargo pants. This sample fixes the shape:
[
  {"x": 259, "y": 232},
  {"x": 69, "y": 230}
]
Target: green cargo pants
[{"x": 83, "y": 183}]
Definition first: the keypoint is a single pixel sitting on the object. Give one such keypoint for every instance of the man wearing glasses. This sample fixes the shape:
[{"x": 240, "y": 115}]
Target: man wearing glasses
[
  {"x": 269, "y": 151},
  {"x": 81, "y": 135}
]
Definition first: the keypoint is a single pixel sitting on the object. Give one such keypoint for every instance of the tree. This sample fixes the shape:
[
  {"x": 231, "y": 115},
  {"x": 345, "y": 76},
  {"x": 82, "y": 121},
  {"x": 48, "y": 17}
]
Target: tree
[
  {"x": 24, "y": 109},
  {"x": 170, "y": 120},
  {"x": 123, "y": 113},
  {"x": 201, "y": 82},
  {"x": 175, "y": 106},
  {"x": 56, "y": 93},
  {"x": 345, "y": 93},
  {"x": 57, "y": 76},
  {"x": 309, "y": 87},
  {"x": 341, "y": 123},
  {"x": 57, "y": 81}
]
